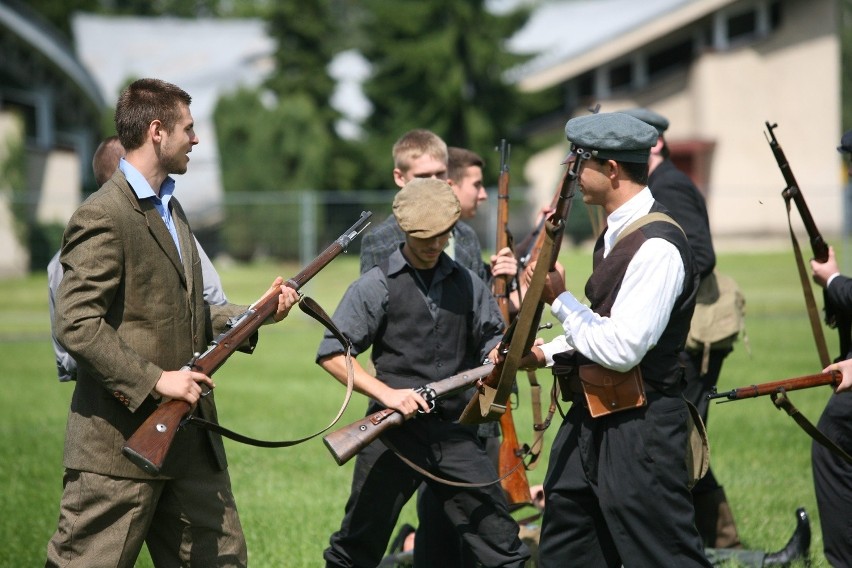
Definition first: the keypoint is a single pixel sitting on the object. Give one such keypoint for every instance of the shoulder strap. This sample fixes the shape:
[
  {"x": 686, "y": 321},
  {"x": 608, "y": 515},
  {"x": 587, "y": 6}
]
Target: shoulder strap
[{"x": 645, "y": 220}]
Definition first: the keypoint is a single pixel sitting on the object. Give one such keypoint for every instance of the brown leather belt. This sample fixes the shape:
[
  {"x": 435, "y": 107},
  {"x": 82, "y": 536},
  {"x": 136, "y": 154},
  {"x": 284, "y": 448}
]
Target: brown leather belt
[{"x": 570, "y": 382}]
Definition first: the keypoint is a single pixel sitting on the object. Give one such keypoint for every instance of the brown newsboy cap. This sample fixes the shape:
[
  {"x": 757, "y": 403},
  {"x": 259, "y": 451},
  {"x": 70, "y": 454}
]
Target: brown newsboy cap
[{"x": 426, "y": 208}]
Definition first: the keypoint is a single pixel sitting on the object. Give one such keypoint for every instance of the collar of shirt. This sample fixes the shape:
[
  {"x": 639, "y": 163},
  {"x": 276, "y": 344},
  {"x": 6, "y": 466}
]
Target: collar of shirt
[
  {"x": 636, "y": 207},
  {"x": 397, "y": 263},
  {"x": 143, "y": 190},
  {"x": 140, "y": 185}
]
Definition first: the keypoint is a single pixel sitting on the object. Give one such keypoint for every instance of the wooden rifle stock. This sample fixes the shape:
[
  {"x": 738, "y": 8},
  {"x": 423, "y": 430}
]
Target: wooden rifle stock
[
  {"x": 490, "y": 401},
  {"x": 148, "y": 447},
  {"x": 832, "y": 378},
  {"x": 514, "y": 479},
  {"x": 349, "y": 440},
  {"x": 792, "y": 191}
]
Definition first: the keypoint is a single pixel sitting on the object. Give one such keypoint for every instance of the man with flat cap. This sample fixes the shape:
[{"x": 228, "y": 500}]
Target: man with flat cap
[
  {"x": 676, "y": 192},
  {"x": 618, "y": 478},
  {"x": 426, "y": 317}
]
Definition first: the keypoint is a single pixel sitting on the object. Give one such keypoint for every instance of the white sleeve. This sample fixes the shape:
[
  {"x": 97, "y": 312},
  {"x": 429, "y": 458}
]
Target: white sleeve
[{"x": 652, "y": 283}]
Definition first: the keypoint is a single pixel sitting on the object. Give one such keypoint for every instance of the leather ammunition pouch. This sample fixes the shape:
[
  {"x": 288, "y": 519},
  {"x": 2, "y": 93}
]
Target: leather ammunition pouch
[{"x": 605, "y": 390}]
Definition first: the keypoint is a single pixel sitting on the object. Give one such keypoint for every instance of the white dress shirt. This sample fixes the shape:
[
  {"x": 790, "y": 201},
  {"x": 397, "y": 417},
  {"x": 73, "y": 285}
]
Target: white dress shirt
[{"x": 651, "y": 285}]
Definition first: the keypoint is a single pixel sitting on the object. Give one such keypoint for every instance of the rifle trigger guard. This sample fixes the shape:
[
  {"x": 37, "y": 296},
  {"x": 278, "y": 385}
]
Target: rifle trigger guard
[{"x": 429, "y": 395}]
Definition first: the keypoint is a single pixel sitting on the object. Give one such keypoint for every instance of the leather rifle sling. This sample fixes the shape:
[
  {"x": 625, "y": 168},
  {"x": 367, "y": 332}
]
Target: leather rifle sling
[
  {"x": 310, "y": 307},
  {"x": 810, "y": 303},
  {"x": 782, "y": 402}
]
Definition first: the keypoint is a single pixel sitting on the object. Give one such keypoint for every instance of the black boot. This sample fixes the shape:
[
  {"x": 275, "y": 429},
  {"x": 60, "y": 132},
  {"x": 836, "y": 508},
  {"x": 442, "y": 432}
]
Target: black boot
[{"x": 798, "y": 547}]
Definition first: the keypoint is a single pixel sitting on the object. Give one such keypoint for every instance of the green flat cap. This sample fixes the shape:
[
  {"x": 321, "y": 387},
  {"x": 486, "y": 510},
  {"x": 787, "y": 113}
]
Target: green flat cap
[
  {"x": 612, "y": 136},
  {"x": 655, "y": 119},
  {"x": 426, "y": 208}
]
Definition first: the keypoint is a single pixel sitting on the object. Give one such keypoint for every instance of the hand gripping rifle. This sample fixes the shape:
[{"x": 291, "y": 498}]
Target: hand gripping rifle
[
  {"x": 818, "y": 245},
  {"x": 514, "y": 479},
  {"x": 489, "y": 402},
  {"x": 778, "y": 391},
  {"x": 149, "y": 445},
  {"x": 349, "y": 440}
]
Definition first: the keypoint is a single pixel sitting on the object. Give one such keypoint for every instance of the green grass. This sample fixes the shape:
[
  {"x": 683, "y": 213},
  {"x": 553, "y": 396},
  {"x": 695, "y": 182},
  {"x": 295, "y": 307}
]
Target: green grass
[{"x": 291, "y": 499}]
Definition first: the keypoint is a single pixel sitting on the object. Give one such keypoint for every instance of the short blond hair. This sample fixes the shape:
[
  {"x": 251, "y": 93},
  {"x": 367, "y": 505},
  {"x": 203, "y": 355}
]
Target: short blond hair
[{"x": 416, "y": 143}]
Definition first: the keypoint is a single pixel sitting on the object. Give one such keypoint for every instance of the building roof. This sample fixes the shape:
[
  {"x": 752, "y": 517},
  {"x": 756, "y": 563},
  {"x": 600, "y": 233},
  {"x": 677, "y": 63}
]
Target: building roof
[{"x": 574, "y": 36}]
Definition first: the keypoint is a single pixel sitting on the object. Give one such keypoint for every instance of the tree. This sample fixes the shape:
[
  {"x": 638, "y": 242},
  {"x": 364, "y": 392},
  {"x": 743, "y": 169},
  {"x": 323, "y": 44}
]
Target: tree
[{"x": 439, "y": 65}]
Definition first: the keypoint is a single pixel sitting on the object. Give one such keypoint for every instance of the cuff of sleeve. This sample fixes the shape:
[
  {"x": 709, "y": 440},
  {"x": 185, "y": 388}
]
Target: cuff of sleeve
[
  {"x": 563, "y": 306},
  {"x": 831, "y": 279},
  {"x": 557, "y": 345}
]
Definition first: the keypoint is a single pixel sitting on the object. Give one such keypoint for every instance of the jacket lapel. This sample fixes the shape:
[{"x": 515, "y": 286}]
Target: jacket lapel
[
  {"x": 155, "y": 224},
  {"x": 187, "y": 243}
]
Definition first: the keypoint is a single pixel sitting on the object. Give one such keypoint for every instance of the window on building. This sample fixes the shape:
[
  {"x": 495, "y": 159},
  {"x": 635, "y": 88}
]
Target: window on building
[
  {"x": 621, "y": 76},
  {"x": 756, "y": 21},
  {"x": 670, "y": 58}
]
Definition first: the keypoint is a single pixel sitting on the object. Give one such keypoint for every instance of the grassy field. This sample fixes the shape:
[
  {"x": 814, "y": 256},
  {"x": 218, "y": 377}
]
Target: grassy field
[{"x": 292, "y": 499}]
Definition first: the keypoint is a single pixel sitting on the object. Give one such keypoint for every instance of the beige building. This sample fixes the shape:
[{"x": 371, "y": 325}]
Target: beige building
[{"x": 718, "y": 69}]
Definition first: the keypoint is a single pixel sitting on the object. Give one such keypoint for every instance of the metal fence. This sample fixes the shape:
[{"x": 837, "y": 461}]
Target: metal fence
[{"x": 296, "y": 225}]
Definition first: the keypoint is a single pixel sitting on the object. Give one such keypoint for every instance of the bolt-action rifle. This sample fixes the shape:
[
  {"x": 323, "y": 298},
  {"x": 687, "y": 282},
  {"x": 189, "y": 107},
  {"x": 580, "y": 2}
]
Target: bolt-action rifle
[
  {"x": 818, "y": 245},
  {"x": 792, "y": 191},
  {"x": 349, "y": 440},
  {"x": 149, "y": 445},
  {"x": 763, "y": 389},
  {"x": 778, "y": 391},
  {"x": 489, "y": 402},
  {"x": 514, "y": 479}
]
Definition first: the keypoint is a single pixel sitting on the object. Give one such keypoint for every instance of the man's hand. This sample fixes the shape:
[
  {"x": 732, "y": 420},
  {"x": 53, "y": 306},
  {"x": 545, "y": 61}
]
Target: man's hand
[
  {"x": 182, "y": 385},
  {"x": 286, "y": 299},
  {"x": 405, "y": 401},
  {"x": 554, "y": 283},
  {"x": 845, "y": 367},
  {"x": 822, "y": 271},
  {"x": 504, "y": 263}
]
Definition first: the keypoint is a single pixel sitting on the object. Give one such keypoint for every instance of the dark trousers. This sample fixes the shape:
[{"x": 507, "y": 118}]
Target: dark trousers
[
  {"x": 833, "y": 480},
  {"x": 616, "y": 490},
  {"x": 382, "y": 484},
  {"x": 436, "y": 542}
]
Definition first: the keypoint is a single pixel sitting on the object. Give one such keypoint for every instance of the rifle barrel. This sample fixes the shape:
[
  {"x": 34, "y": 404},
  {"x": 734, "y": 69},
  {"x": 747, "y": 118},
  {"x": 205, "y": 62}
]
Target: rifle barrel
[{"x": 796, "y": 383}]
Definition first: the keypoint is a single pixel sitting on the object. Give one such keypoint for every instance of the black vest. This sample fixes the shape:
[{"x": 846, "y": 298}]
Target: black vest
[
  {"x": 413, "y": 348},
  {"x": 660, "y": 366}
]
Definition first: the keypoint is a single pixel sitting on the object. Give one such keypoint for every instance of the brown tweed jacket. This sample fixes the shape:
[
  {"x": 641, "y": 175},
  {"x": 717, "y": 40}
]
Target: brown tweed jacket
[{"x": 127, "y": 309}]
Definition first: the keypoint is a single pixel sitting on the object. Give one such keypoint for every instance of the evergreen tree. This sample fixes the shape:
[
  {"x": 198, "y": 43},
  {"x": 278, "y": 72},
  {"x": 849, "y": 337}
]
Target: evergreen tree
[{"x": 439, "y": 65}]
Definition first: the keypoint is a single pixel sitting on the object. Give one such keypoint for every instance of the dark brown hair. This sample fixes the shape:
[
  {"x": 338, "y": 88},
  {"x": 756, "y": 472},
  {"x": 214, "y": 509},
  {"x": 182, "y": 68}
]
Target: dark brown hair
[
  {"x": 460, "y": 159},
  {"x": 143, "y": 102}
]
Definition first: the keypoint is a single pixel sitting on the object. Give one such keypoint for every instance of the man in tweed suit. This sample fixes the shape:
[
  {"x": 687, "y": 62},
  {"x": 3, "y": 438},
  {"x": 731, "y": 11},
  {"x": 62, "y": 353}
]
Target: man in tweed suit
[{"x": 130, "y": 310}]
